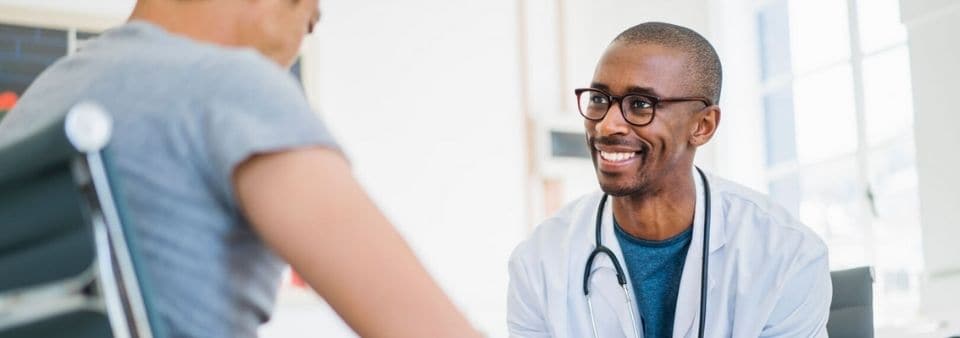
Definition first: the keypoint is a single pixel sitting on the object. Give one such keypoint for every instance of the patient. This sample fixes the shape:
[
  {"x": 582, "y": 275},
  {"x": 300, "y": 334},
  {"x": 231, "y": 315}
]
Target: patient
[{"x": 228, "y": 175}]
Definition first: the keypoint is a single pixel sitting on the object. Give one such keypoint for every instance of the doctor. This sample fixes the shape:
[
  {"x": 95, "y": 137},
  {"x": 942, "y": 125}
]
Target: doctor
[{"x": 629, "y": 261}]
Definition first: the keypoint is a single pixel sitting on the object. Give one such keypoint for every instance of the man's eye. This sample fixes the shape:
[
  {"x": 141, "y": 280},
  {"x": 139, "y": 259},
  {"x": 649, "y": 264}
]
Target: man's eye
[
  {"x": 639, "y": 103},
  {"x": 598, "y": 99}
]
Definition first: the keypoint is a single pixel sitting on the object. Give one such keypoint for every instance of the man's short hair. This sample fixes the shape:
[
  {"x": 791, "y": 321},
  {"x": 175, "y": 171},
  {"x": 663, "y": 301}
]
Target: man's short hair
[{"x": 708, "y": 74}]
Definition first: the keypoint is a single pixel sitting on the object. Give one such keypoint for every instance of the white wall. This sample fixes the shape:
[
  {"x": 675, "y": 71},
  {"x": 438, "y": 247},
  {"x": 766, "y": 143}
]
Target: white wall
[
  {"x": 932, "y": 27},
  {"x": 424, "y": 97},
  {"x": 107, "y": 8},
  {"x": 60, "y": 14}
]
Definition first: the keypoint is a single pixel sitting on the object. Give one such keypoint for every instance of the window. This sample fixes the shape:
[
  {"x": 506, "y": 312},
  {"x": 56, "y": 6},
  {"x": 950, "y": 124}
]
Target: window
[
  {"x": 568, "y": 144},
  {"x": 838, "y": 131},
  {"x": 24, "y": 53}
]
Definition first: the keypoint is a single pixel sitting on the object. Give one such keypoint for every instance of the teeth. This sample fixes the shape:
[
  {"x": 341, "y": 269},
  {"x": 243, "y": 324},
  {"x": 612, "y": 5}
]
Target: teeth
[{"x": 616, "y": 157}]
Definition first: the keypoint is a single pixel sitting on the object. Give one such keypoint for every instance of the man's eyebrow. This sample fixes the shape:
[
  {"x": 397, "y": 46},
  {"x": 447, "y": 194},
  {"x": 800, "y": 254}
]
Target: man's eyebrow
[
  {"x": 630, "y": 90},
  {"x": 642, "y": 90},
  {"x": 600, "y": 86}
]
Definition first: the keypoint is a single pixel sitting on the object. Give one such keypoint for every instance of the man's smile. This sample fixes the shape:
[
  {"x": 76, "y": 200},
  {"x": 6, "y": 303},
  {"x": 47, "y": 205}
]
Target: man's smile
[{"x": 617, "y": 159}]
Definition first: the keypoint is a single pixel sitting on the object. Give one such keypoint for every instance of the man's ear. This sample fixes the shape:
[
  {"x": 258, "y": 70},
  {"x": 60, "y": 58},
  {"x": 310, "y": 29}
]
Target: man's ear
[{"x": 706, "y": 123}]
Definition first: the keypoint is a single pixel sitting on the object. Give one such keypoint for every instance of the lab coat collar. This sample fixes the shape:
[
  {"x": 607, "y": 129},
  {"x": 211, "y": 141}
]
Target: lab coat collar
[{"x": 688, "y": 299}]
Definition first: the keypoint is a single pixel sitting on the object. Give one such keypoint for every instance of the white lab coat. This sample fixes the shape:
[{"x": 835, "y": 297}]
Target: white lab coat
[{"x": 768, "y": 277}]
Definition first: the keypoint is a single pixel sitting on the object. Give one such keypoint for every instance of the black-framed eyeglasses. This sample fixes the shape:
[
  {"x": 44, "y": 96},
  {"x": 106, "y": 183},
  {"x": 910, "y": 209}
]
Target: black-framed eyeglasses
[{"x": 637, "y": 109}]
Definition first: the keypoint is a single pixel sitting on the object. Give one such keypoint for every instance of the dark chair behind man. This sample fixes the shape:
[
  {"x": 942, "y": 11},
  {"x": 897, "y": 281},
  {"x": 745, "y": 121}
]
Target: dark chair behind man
[{"x": 851, "y": 312}]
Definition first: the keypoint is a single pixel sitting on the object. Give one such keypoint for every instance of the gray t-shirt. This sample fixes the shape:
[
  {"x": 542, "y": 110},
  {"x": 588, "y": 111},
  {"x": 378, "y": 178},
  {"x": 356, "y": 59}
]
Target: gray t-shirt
[{"x": 185, "y": 115}]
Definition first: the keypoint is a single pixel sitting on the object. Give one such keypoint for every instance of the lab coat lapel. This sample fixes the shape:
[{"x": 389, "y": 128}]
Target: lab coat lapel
[
  {"x": 687, "y": 314},
  {"x": 605, "y": 285}
]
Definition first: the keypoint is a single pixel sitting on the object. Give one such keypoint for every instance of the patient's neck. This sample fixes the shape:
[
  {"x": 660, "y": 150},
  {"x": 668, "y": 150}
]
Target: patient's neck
[{"x": 208, "y": 21}]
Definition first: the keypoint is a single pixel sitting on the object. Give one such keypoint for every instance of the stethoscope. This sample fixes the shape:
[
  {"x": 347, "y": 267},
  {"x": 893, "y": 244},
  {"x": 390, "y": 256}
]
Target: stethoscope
[{"x": 601, "y": 249}]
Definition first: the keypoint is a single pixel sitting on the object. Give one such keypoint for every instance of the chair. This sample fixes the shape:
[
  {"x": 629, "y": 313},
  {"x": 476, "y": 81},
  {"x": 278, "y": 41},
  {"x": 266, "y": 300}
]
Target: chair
[
  {"x": 65, "y": 265},
  {"x": 851, "y": 311}
]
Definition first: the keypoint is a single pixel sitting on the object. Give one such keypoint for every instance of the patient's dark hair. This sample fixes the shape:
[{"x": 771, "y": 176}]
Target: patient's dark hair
[{"x": 707, "y": 74}]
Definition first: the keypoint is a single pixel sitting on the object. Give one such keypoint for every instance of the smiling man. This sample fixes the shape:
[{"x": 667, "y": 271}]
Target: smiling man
[{"x": 665, "y": 250}]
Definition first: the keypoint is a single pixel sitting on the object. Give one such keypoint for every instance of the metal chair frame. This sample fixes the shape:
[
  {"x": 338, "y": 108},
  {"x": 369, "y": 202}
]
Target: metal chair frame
[{"x": 110, "y": 285}]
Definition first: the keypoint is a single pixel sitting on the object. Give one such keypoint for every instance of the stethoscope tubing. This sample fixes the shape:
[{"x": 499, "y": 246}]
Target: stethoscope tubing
[{"x": 600, "y": 249}]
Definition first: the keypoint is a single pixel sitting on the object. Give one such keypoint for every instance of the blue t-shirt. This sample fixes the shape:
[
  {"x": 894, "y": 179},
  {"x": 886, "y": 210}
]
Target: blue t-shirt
[{"x": 655, "y": 268}]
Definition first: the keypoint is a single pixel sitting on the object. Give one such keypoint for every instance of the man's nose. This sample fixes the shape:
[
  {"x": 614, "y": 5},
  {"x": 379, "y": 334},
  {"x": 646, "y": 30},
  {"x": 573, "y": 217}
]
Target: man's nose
[{"x": 613, "y": 123}]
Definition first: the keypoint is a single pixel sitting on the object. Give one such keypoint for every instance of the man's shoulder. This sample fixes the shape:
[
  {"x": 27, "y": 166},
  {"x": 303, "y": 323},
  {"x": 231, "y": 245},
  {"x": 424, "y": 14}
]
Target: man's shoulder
[
  {"x": 554, "y": 233},
  {"x": 753, "y": 217}
]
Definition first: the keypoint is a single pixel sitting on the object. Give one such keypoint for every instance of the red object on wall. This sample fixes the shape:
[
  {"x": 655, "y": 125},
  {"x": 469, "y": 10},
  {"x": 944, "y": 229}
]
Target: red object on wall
[
  {"x": 296, "y": 280},
  {"x": 7, "y": 100}
]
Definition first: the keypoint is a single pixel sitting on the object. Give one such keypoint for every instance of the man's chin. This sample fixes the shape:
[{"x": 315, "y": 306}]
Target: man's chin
[{"x": 618, "y": 190}]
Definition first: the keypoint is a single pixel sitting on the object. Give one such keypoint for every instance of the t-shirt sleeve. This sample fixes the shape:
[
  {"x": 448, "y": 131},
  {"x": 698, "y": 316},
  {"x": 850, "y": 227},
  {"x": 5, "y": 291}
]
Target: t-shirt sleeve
[{"x": 257, "y": 109}]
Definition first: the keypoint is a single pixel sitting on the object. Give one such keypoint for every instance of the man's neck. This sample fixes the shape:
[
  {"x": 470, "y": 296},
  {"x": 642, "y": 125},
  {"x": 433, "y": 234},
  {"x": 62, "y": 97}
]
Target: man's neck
[{"x": 661, "y": 215}]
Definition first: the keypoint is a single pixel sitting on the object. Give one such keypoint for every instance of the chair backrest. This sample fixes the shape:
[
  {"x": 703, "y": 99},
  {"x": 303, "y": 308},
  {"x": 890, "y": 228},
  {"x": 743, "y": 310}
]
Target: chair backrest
[
  {"x": 851, "y": 311},
  {"x": 64, "y": 258}
]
